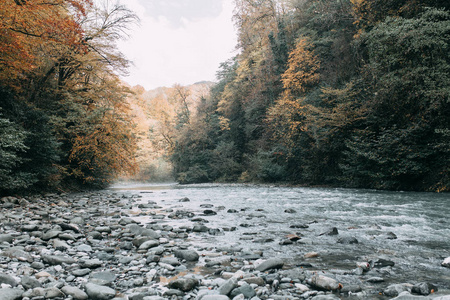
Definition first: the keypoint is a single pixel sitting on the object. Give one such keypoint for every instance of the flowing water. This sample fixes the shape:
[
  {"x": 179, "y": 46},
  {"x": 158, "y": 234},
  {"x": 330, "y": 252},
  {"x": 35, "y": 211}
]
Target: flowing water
[{"x": 264, "y": 215}]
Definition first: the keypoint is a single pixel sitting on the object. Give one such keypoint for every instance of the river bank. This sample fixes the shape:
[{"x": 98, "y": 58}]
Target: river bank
[{"x": 148, "y": 244}]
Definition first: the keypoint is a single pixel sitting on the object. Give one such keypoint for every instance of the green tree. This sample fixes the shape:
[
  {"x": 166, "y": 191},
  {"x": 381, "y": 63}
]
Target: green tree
[{"x": 408, "y": 73}]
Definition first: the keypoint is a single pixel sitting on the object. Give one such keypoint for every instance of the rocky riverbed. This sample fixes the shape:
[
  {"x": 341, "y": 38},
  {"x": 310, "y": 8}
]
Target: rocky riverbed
[{"x": 93, "y": 246}]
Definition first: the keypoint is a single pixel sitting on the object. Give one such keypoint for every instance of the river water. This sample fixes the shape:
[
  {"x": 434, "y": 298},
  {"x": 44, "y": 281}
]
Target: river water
[{"x": 410, "y": 229}]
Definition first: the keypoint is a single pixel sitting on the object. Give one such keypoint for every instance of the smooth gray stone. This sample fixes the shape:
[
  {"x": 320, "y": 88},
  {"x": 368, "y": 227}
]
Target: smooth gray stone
[
  {"x": 244, "y": 289},
  {"x": 29, "y": 282},
  {"x": 228, "y": 286},
  {"x": 215, "y": 297},
  {"x": 11, "y": 294},
  {"x": 326, "y": 297},
  {"x": 17, "y": 253},
  {"x": 102, "y": 278},
  {"x": 90, "y": 263},
  {"x": 188, "y": 255},
  {"x": 149, "y": 244},
  {"x": 53, "y": 292},
  {"x": 51, "y": 234},
  {"x": 407, "y": 296},
  {"x": 323, "y": 283},
  {"x": 6, "y": 238},
  {"x": 184, "y": 284},
  {"x": 81, "y": 272},
  {"x": 395, "y": 290},
  {"x": 273, "y": 263},
  {"x": 170, "y": 260},
  {"x": 57, "y": 259},
  {"x": 6, "y": 279},
  {"x": 99, "y": 292},
  {"x": 75, "y": 292},
  {"x": 84, "y": 248}
]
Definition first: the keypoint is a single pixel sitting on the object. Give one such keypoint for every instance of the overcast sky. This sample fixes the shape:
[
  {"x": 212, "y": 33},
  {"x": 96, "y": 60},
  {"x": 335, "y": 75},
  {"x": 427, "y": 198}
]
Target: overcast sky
[{"x": 178, "y": 41}]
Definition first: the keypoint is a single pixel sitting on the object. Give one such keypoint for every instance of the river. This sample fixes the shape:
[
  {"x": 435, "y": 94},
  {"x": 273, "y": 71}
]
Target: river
[{"x": 410, "y": 229}]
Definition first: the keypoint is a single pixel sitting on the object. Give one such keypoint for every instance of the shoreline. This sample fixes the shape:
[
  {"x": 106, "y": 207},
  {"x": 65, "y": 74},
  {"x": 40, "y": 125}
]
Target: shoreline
[{"x": 86, "y": 246}]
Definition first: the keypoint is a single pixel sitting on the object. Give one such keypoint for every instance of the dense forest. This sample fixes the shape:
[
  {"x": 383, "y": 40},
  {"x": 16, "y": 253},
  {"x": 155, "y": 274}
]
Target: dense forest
[
  {"x": 352, "y": 93},
  {"x": 64, "y": 118}
]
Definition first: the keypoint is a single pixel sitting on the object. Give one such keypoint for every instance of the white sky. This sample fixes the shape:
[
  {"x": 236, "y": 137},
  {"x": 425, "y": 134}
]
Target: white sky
[{"x": 178, "y": 41}]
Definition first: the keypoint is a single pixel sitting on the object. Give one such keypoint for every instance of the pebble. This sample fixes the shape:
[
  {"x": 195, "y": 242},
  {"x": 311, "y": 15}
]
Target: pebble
[{"x": 87, "y": 246}]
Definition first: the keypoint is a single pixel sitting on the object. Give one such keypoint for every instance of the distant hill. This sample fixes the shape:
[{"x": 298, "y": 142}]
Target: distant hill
[{"x": 148, "y": 109}]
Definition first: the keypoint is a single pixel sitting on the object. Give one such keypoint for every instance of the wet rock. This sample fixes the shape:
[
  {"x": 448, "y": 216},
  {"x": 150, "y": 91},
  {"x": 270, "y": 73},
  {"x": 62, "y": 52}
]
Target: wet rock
[
  {"x": 375, "y": 279},
  {"x": 381, "y": 263},
  {"x": 141, "y": 231},
  {"x": 184, "y": 284},
  {"x": 99, "y": 292},
  {"x": 10, "y": 294},
  {"x": 311, "y": 255},
  {"x": 74, "y": 292},
  {"x": 303, "y": 226},
  {"x": 347, "y": 240},
  {"x": 324, "y": 283},
  {"x": 424, "y": 288},
  {"x": 331, "y": 231},
  {"x": 407, "y": 296},
  {"x": 200, "y": 228},
  {"x": 347, "y": 289},
  {"x": 390, "y": 236},
  {"x": 274, "y": 263},
  {"x": 209, "y": 212},
  {"x": 6, "y": 279},
  {"x": 185, "y": 199},
  {"x": 188, "y": 255},
  {"x": 446, "y": 262},
  {"x": 395, "y": 289}
]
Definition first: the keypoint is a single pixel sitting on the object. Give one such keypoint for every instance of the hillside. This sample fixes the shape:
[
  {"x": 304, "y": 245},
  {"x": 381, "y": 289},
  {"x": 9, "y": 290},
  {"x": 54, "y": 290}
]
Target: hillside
[{"x": 154, "y": 112}]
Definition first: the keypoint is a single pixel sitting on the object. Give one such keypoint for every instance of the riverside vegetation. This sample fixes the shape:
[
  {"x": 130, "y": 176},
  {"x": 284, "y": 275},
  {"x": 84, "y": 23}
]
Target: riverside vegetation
[
  {"x": 93, "y": 246},
  {"x": 351, "y": 93}
]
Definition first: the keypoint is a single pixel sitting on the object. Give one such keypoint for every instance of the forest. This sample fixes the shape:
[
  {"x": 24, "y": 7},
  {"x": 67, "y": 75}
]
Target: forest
[{"x": 349, "y": 93}]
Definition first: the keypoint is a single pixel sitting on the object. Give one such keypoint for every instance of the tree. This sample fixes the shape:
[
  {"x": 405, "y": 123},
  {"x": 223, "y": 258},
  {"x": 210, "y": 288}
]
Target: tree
[{"x": 408, "y": 71}]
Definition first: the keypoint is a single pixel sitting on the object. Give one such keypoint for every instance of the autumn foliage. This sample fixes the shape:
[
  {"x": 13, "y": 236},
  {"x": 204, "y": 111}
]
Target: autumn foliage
[
  {"x": 346, "y": 93},
  {"x": 61, "y": 94}
]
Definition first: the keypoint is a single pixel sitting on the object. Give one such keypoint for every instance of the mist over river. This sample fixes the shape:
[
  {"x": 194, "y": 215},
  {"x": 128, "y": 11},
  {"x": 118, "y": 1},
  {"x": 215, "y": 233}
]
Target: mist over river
[{"x": 341, "y": 226}]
